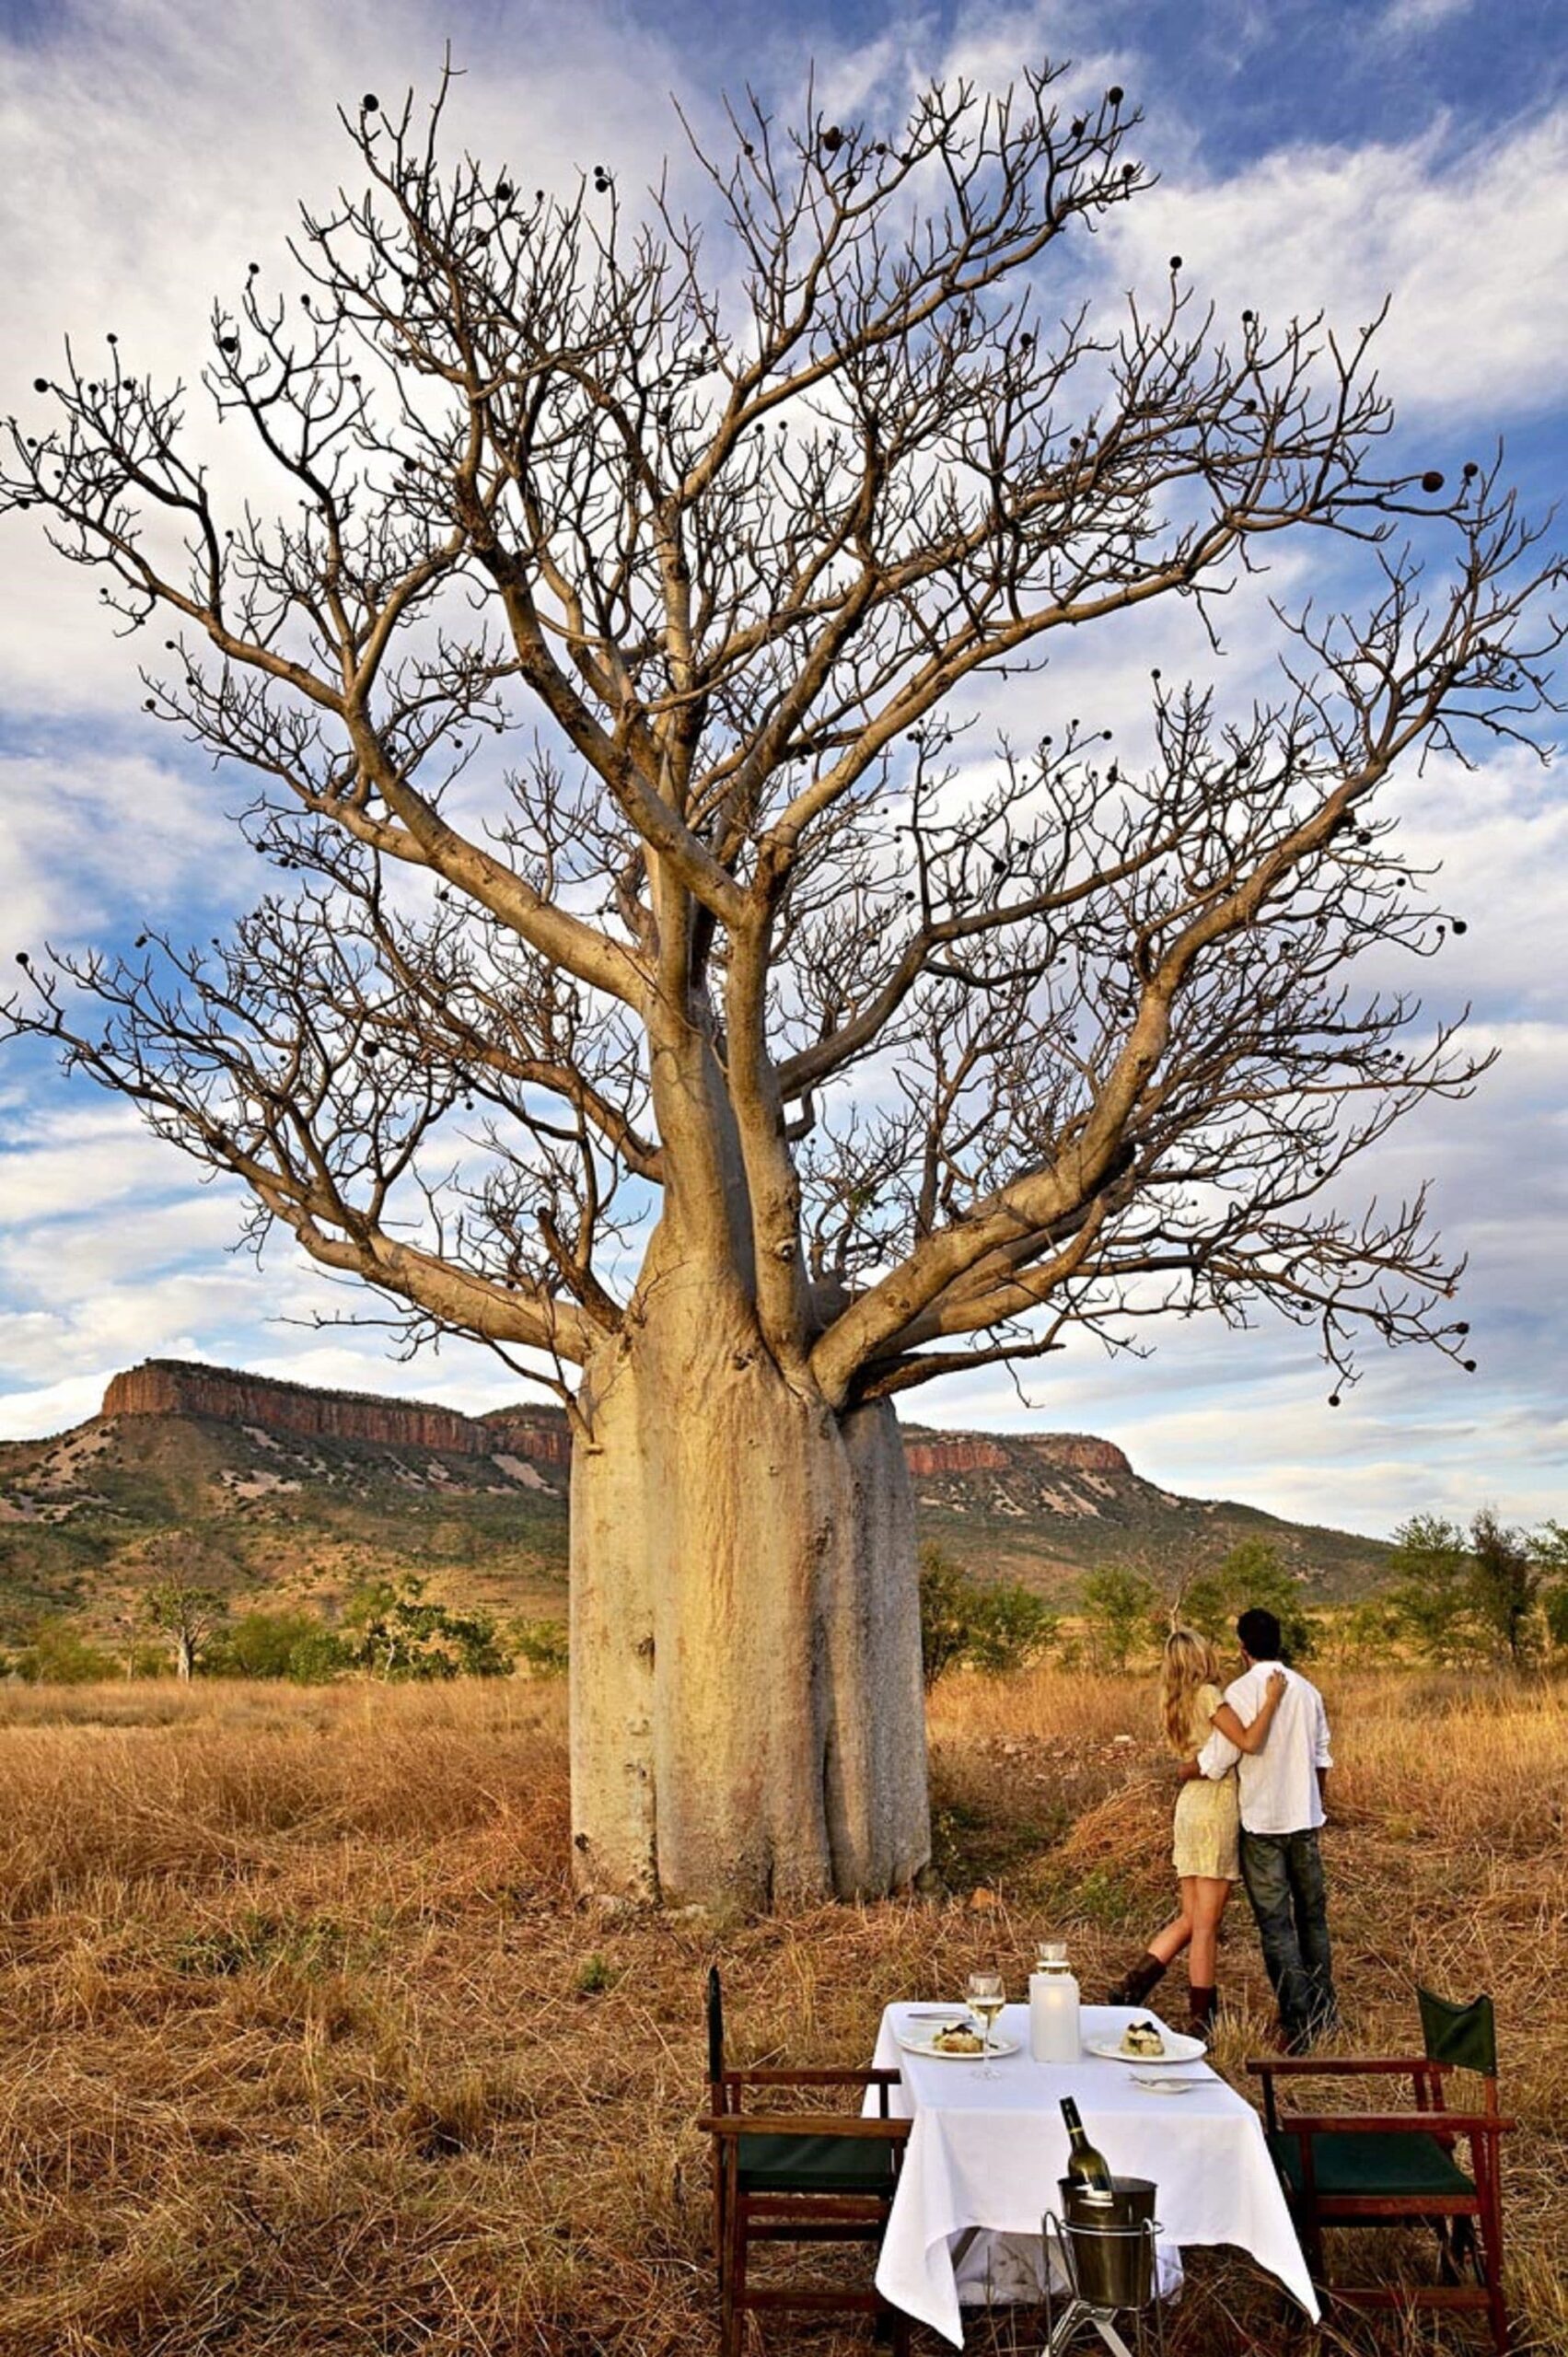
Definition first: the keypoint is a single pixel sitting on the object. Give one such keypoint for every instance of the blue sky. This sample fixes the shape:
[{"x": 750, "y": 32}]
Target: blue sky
[{"x": 1309, "y": 154}]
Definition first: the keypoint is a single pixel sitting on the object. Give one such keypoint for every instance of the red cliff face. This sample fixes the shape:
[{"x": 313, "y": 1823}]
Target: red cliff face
[
  {"x": 934, "y": 1453},
  {"x": 541, "y": 1433},
  {"x": 964, "y": 1453},
  {"x": 1077, "y": 1452},
  {"x": 169, "y": 1387},
  {"x": 172, "y": 1387}
]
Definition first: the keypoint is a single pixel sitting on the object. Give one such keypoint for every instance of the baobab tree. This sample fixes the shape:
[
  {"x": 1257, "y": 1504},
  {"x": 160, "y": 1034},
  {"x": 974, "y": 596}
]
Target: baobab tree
[
  {"x": 658, "y": 985},
  {"x": 179, "y": 1605}
]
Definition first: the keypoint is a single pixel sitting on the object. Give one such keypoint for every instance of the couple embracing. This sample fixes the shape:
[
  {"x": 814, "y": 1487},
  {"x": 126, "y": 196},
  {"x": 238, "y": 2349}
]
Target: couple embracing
[{"x": 1253, "y": 1760}]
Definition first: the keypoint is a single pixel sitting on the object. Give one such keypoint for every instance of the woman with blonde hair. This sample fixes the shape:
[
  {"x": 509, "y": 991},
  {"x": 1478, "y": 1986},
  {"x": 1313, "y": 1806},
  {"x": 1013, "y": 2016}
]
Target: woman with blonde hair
[{"x": 1206, "y": 1852}]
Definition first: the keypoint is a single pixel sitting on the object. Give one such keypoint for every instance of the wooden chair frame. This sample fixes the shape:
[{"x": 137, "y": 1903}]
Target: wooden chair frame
[
  {"x": 746, "y": 2215},
  {"x": 1457, "y": 2218}
]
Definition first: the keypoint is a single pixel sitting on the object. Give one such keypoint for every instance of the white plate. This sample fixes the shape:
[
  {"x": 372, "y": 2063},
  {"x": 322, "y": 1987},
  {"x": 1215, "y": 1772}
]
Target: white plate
[
  {"x": 1178, "y": 2049},
  {"x": 923, "y": 2046},
  {"x": 1166, "y": 2086}
]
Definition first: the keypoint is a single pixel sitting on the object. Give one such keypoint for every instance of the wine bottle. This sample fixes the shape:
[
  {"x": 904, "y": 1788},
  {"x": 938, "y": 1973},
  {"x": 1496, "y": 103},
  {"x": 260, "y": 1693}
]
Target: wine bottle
[{"x": 1086, "y": 2168}]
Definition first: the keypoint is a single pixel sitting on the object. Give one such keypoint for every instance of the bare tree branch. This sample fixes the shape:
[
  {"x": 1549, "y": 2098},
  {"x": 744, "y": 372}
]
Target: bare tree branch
[{"x": 641, "y": 901}]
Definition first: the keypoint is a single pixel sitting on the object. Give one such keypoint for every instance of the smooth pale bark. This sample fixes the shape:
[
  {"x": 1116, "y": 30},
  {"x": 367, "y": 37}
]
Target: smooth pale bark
[{"x": 747, "y": 1718}]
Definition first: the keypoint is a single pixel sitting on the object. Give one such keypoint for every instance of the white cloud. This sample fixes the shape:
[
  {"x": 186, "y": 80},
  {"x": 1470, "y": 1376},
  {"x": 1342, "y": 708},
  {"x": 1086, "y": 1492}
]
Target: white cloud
[
  {"x": 111, "y": 1252},
  {"x": 94, "y": 836},
  {"x": 1407, "y": 19},
  {"x": 1472, "y": 243},
  {"x": 77, "y": 1154},
  {"x": 1220, "y": 1414},
  {"x": 144, "y": 169},
  {"x": 1500, "y": 834}
]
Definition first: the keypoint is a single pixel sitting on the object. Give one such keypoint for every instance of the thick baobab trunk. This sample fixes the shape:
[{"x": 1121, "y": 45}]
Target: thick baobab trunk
[{"x": 748, "y": 1713}]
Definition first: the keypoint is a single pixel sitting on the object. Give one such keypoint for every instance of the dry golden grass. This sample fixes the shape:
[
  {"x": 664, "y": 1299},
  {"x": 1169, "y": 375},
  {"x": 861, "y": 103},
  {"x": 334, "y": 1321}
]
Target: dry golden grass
[{"x": 306, "y": 2046}]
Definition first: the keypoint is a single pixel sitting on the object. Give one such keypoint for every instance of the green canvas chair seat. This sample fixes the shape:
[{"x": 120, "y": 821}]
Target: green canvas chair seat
[
  {"x": 787, "y": 2171},
  {"x": 1357, "y": 2165},
  {"x": 815, "y": 2164},
  {"x": 1432, "y": 2160}
]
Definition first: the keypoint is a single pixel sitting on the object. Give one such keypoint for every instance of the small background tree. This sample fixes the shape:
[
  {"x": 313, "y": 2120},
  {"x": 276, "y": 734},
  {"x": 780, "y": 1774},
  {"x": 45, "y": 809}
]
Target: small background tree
[
  {"x": 291, "y": 1644},
  {"x": 1551, "y": 1554},
  {"x": 1253, "y": 1572},
  {"x": 1370, "y": 1634},
  {"x": 1010, "y": 1627},
  {"x": 57, "y": 1654},
  {"x": 1463, "y": 1597},
  {"x": 1430, "y": 1591},
  {"x": 1506, "y": 1583},
  {"x": 390, "y": 1630},
  {"x": 188, "y": 1614},
  {"x": 1121, "y": 1610},
  {"x": 1556, "y": 1602},
  {"x": 996, "y": 1626},
  {"x": 544, "y": 1646}
]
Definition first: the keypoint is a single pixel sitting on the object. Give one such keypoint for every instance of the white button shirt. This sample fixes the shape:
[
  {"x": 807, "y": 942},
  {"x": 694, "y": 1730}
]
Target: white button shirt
[{"x": 1279, "y": 1784}]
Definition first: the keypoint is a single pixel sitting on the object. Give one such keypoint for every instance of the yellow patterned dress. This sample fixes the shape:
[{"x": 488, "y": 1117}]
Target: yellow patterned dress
[{"x": 1208, "y": 1813}]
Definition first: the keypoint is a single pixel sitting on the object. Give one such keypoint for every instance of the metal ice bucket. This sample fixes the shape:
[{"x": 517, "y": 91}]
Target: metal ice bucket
[{"x": 1109, "y": 2244}]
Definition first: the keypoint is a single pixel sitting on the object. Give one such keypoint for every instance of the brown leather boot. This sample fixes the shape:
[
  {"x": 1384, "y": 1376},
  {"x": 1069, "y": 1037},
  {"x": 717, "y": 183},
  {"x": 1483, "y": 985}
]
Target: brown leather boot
[
  {"x": 1203, "y": 2004},
  {"x": 1136, "y": 1981}
]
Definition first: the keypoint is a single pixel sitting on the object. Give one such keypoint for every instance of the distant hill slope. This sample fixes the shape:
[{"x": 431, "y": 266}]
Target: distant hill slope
[{"x": 294, "y": 1494}]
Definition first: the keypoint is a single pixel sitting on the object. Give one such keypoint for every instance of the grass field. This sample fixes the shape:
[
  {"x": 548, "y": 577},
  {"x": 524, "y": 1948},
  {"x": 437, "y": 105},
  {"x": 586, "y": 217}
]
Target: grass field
[{"x": 305, "y": 2046}]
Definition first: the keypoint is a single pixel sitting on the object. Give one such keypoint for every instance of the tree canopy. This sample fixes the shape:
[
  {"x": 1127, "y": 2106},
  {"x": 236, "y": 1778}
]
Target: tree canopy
[{"x": 598, "y": 672}]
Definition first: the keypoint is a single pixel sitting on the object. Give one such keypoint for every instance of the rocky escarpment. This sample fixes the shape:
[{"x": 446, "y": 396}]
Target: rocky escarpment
[
  {"x": 942, "y": 1453},
  {"x": 304, "y": 1492},
  {"x": 541, "y": 1436},
  {"x": 177, "y": 1388},
  {"x": 979, "y": 1488}
]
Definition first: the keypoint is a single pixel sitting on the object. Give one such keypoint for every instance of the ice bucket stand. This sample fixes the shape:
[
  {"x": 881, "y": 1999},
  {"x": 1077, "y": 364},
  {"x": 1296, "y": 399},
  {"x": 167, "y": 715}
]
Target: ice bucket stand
[{"x": 1110, "y": 2268}]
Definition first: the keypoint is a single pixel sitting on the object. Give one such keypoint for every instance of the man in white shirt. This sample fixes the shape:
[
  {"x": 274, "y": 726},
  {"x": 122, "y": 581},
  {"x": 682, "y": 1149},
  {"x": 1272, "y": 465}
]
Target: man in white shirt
[{"x": 1281, "y": 1809}]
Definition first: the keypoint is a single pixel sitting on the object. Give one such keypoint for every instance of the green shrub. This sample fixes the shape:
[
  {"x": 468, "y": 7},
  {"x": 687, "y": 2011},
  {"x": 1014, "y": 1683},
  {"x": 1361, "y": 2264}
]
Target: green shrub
[
  {"x": 1253, "y": 1573},
  {"x": 1548, "y": 1548},
  {"x": 1206, "y": 1603},
  {"x": 59, "y": 1654},
  {"x": 1009, "y": 1627},
  {"x": 1504, "y": 1583},
  {"x": 318, "y": 1657},
  {"x": 1370, "y": 1631},
  {"x": 542, "y": 1644},
  {"x": 995, "y": 1627},
  {"x": 391, "y": 1631},
  {"x": 944, "y": 1629},
  {"x": 1120, "y": 1606},
  {"x": 262, "y": 1644},
  {"x": 1555, "y": 1603},
  {"x": 1431, "y": 1588},
  {"x": 1462, "y": 1597}
]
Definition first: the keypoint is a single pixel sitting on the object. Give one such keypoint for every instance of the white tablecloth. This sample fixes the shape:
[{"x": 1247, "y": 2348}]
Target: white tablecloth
[{"x": 988, "y": 2152}]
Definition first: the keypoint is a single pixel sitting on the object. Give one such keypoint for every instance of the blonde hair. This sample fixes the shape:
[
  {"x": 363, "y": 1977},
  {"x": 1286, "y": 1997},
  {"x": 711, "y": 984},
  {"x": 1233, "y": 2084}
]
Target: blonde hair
[{"x": 1189, "y": 1663}]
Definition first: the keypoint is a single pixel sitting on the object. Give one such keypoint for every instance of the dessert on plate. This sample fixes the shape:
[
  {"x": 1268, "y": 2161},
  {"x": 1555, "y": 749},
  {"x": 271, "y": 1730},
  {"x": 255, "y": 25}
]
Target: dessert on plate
[
  {"x": 957, "y": 2039},
  {"x": 1142, "y": 2039}
]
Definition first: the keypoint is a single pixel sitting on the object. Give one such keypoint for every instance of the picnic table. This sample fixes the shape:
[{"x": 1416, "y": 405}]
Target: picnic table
[{"x": 986, "y": 2153}]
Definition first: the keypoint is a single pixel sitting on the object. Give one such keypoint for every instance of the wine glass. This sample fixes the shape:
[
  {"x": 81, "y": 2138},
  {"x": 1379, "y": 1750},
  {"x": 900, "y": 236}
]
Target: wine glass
[{"x": 984, "y": 1995}]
